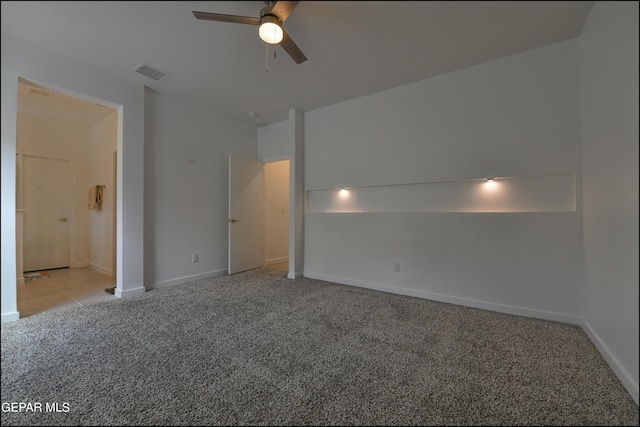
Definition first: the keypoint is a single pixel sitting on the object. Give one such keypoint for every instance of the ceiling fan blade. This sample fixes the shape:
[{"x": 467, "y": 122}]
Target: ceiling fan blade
[
  {"x": 207, "y": 16},
  {"x": 282, "y": 9},
  {"x": 292, "y": 49}
]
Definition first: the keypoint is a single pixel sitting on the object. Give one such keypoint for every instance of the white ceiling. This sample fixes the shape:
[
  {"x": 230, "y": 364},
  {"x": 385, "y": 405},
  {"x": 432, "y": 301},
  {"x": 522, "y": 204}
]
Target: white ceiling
[
  {"x": 354, "y": 47},
  {"x": 36, "y": 101}
]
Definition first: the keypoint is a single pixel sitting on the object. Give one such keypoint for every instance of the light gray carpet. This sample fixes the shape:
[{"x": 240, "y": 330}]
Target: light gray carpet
[{"x": 259, "y": 349}]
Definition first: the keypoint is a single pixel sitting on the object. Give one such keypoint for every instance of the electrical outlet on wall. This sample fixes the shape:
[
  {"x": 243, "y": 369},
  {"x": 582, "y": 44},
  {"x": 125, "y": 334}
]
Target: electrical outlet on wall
[{"x": 194, "y": 258}]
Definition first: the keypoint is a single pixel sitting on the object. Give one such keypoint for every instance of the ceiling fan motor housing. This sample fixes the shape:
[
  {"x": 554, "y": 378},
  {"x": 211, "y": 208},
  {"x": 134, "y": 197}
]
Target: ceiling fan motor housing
[{"x": 267, "y": 16}]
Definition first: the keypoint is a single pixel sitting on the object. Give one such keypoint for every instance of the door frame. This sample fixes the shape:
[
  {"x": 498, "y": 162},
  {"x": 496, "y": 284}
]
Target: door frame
[
  {"x": 130, "y": 171},
  {"x": 72, "y": 185},
  {"x": 114, "y": 212},
  {"x": 290, "y": 207}
]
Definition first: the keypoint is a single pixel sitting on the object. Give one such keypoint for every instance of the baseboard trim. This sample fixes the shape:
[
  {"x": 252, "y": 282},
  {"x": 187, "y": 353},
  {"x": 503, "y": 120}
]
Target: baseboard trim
[
  {"x": 484, "y": 305},
  {"x": 79, "y": 265},
  {"x": 295, "y": 275},
  {"x": 185, "y": 279},
  {"x": 129, "y": 292},
  {"x": 10, "y": 317},
  {"x": 276, "y": 260},
  {"x": 629, "y": 384},
  {"x": 620, "y": 372},
  {"x": 100, "y": 269}
]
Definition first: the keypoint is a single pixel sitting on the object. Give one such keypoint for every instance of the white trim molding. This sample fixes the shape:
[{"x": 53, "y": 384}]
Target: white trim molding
[
  {"x": 129, "y": 292},
  {"x": 10, "y": 317},
  {"x": 627, "y": 381},
  {"x": 185, "y": 279},
  {"x": 484, "y": 305}
]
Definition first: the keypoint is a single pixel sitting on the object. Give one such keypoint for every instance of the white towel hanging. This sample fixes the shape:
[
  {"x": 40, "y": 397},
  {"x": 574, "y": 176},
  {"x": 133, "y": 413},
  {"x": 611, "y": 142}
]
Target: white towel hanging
[
  {"x": 99, "y": 194},
  {"x": 91, "y": 203}
]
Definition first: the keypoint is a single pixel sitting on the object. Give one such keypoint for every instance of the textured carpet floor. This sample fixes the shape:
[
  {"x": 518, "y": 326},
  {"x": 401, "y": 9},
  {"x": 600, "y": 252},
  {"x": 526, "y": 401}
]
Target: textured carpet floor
[{"x": 259, "y": 349}]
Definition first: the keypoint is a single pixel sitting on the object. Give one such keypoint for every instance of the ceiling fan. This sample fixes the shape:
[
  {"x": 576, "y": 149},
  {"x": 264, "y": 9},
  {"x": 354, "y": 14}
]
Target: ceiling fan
[{"x": 270, "y": 22}]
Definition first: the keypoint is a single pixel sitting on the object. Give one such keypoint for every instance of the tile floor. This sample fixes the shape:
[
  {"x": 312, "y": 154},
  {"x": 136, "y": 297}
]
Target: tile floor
[
  {"x": 65, "y": 288},
  {"x": 73, "y": 287}
]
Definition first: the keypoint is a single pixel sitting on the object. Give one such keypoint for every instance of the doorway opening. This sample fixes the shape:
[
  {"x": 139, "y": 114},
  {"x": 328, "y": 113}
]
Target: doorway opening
[
  {"x": 65, "y": 146},
  {"x": 259, "y": 220},
  {"x": 276, "y": 215}
]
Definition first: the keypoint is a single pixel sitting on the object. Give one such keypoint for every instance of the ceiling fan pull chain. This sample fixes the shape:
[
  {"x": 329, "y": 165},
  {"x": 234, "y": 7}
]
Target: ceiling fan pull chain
[{"x": 267, "y": 66}]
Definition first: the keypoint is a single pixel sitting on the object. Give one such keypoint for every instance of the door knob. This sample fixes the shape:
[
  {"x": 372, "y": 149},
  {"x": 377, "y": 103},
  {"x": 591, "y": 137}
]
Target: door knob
[
  {"x": 62, "y": 219},
  {"x": 233, "y": 220}
]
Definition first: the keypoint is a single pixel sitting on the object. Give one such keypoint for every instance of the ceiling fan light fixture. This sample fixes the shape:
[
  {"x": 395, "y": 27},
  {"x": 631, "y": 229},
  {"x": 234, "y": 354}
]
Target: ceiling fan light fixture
[
  {"x": 270, "y": 29},
  {"x": 270, "y": 26}
]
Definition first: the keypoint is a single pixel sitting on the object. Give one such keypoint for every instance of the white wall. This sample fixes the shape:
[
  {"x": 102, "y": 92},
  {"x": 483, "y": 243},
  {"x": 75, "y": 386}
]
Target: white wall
[
  {"x": 274, "y": 143},
  {"x": 609, "y": 89},
  {"x": 276, "y": 212},
  {"x": 102, "y": 143},
  {"x": 514, "y": 117},
  {"x": 81, "y": 81},
  {"x": 186, "y": 206},
  {"x": 40, "y": 136}
]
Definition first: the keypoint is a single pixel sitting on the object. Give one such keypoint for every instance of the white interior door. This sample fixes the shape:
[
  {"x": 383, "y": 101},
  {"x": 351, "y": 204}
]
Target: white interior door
[
  {"x": 245, "y": 214},
  {"x": 47, "y": 216}
]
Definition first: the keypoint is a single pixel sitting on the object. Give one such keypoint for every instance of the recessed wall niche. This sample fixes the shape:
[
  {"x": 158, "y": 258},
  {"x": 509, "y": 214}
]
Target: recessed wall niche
[{"x": 541, "y": 193}]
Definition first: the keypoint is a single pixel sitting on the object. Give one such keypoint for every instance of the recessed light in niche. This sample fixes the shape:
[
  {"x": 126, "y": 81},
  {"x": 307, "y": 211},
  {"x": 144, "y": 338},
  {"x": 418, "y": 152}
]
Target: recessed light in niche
[{"x": 491, "y": 184}]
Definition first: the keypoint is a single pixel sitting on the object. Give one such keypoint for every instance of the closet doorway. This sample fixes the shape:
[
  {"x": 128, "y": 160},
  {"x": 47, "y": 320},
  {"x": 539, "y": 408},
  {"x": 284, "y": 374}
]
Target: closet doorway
[
  {"x": 258, "y": 215},
  {"x": 276, "y": 215}
]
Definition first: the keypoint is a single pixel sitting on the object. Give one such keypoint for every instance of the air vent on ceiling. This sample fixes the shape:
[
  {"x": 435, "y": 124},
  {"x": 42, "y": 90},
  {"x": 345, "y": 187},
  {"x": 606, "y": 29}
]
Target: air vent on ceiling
[
  {"x": 256, "y": 119},
  {"x": 40, "y": 92},
  {"x": 148, "y": 71}
]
